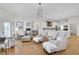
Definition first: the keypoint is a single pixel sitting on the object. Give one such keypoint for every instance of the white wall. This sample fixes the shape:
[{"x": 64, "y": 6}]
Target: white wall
[
  {"x": 78, "y": 29},
  {"x": 74, "y": 23},
  {"x": 5, "y": 17}
]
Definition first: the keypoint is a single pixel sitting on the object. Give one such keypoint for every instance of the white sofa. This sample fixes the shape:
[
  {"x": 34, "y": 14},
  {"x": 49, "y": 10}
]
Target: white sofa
[
  {"x": 52, "y": 35},
  {"x": 38, "y": 39},
  {"x": 8, "y": 43},
  {"x": 60, "y": 42},
  {"x": 26, "y": 38},
  {"x": 11, "y": 42}
]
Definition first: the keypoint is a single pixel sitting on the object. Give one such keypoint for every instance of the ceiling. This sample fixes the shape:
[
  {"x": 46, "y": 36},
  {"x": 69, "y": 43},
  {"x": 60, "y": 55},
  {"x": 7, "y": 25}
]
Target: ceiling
[{"x": 50, "y": 10}]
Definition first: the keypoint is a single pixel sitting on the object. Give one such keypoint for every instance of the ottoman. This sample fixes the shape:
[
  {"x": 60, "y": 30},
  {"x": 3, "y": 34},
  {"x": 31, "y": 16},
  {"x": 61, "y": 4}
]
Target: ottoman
[{"x": 49, "y": 47}]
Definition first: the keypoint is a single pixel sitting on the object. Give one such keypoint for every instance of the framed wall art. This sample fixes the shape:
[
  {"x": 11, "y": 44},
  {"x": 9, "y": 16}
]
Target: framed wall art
[{"x": 19, "y": 25}]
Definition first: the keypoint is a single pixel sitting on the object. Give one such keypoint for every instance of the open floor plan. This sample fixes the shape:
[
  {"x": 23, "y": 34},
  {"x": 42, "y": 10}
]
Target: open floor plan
[{"x": 39, "y": 29}]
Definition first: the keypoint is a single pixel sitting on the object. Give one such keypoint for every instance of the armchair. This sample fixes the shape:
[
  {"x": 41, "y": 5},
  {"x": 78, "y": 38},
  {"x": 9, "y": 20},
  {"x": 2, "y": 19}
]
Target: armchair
[
  {"x": 60, "y": 42},
  {"x": 3, "y": 45},
  {"x": 11, "y": 42}
]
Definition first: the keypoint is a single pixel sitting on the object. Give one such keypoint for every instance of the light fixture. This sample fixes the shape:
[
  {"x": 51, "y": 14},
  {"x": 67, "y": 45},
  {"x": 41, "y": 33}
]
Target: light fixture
[{"x": 39, "y": 11}]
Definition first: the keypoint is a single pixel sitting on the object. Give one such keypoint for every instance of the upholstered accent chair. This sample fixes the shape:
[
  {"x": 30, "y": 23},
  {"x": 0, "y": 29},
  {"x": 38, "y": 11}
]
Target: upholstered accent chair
[
  {"x": 11, "y": 42},
  {"x": 7, "y": 43},
  {"x": 59, "y": 43}
]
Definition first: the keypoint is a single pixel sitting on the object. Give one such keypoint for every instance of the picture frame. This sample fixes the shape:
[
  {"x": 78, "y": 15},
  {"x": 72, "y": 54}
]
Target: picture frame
[
  {"x": 28, "y": 24},
  {"x": 49, "y": 23},
  {"x": 19, "y": 25}
]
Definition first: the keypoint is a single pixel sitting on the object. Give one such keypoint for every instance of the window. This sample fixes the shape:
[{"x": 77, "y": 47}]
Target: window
[{"x": 7, "y": 29}]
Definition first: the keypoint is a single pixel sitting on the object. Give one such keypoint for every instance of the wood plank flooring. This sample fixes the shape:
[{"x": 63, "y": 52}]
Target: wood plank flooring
[{"x": 31, "y": 48}]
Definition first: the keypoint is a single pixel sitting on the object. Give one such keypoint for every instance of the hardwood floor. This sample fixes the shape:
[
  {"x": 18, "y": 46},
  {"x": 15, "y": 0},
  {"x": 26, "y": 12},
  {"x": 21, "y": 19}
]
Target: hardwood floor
[{"x": 31, "y": 48}]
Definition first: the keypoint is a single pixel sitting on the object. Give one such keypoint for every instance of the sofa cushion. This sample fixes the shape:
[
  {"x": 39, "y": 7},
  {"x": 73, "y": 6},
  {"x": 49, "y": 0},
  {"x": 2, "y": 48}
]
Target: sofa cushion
[
  {"x": 53, "y": 36},
  {"x": 61, "y": 34},
  {"x": 59, "y": 38}
]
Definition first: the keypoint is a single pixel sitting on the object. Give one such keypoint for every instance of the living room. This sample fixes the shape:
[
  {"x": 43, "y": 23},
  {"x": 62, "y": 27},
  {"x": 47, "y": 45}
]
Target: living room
[{"x": 39, "y": 28}]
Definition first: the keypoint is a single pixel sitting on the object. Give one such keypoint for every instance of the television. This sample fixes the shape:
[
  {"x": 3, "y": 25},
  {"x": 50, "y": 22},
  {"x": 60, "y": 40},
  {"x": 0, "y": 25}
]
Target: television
[{"x": 28, "y": 29}]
